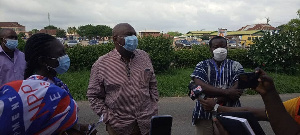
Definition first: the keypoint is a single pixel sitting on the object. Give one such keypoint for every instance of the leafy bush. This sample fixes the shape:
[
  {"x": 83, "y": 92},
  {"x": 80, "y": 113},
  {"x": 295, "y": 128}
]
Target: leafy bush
[
  {"x": 190, "y": 57},
  {"x": 277, "y": 52},
  {"x": 160, "y": 50},
  {"x": 241, "y": 56},
  {"x": 21, "y": 44},
  {"x": 83, "y": 57}
]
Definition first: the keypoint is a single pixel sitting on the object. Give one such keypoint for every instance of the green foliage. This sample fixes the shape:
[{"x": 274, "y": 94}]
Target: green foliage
[
  {"x": 172, "y": 83},
  {"x": 71, "y": 30},
  {"x": 190, "y": 57},
  {"x": 50, "y": 27},
  {"x": 21, "y": 34},
  {"x": 21, "y": 43},
  {"x": 83, "y": 57},
  {"x": 91, "y": 31},
  {"x": 241, "y": 56},
  {"x": 277, "y": 52},
  {"x": 34, "y": 31},
  {"x": 77, "y": 82},
  {"x": 60, "y": 33},
  {"x": 160, "y": 50},
  {"x": 174, "y": 33}
]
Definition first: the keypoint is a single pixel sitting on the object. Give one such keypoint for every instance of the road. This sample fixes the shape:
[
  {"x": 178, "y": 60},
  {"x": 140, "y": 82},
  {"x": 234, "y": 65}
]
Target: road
[{"x": 180, "y": 108}]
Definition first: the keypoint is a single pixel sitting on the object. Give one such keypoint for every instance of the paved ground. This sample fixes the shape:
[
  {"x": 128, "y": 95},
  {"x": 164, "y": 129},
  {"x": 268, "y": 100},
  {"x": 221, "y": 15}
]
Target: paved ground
[{"x": 181, "y": 110}]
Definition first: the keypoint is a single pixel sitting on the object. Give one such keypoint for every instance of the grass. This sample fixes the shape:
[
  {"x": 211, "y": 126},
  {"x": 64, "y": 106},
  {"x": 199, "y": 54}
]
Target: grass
[{"x": 173, "y": 83}]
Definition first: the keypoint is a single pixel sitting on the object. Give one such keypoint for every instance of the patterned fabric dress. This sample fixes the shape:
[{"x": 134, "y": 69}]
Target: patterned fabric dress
[{"x": 36, "y": 106}]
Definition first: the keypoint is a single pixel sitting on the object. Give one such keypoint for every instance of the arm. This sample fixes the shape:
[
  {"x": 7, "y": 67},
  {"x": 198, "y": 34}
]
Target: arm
[
  {"x": 231, "y": 93},
  {"x": 276, "y": 111},
  {"x": 209, "y": 104},
  {"x": 96, "y": 94},
  {"x": 153, "y": 84}
]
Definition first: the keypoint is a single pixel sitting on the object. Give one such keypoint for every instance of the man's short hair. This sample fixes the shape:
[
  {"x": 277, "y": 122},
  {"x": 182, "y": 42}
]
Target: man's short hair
[{"x": 216, "y": 37}]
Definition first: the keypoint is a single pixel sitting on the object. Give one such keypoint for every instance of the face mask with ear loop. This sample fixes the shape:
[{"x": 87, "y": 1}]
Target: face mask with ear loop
[
  {"x": 131, "y": 43},
  {"x": 11, "y": 44},
  {"x": 64, "y": 64},
  {"x": 220, "y": 54}
]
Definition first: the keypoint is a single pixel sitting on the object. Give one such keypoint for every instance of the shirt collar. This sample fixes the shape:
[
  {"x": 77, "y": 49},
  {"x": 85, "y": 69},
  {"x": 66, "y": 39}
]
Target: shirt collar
[{"x": 115, "y": 52}]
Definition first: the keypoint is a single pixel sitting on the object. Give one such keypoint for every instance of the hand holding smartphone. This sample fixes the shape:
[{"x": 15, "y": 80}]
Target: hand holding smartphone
[{"x": 248, "y": 80}]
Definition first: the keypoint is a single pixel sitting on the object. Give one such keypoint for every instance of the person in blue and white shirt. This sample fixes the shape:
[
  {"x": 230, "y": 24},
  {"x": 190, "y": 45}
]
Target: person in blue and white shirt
[{"x": 218, "y": 78}]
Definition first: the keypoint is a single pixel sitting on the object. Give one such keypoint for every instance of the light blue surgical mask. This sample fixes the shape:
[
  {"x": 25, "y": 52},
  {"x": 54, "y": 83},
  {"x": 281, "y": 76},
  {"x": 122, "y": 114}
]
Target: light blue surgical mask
[
  {"x": 11, "y": 44},
  {"x": 64, "y": 64},
  {"x": 131, "y": 43}
]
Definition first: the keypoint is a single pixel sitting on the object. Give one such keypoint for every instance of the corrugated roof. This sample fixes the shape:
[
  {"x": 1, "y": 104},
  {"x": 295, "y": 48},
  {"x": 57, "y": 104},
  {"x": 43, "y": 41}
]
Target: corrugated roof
[
  {"x": 149, "y": 31},
  {"x": 235, "y": 33},
  {"x": 10, "y": 24},
  {"x": 200, "y": 32},
  {"x": 262, "y": 26}
]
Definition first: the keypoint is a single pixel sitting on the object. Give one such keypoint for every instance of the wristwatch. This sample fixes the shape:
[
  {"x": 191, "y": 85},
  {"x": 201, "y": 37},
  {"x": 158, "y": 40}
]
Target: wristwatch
[{"x": 216, "y": 108}]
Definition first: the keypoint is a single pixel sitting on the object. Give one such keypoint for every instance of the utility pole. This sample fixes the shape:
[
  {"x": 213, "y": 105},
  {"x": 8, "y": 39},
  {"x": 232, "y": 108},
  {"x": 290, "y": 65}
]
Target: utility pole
[{"x": 49, "y": 18}]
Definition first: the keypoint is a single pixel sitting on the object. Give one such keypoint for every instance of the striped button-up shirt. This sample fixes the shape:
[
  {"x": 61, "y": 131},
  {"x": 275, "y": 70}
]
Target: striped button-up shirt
[
  {"x": 124, "y": 93},
  {"x": 223, "y": 77}
]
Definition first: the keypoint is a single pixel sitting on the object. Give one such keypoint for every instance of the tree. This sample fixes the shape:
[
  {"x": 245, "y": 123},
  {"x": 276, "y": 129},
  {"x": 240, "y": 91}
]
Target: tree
[
  {"x": 72, "y": 30},
  {"x": 60, "y": 33},
  {"x": 50, "y": 27},
  {"x": 91, "y": 31},
  {"x": 21, "y": 34},
  {"x": 174, "y": 33},
  {"x": 103, "y": 31},
  {"x": 34, "y": 31}
]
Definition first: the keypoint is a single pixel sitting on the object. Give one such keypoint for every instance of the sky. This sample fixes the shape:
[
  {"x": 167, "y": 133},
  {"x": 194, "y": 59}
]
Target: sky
[{"x": 160, "y": 15}]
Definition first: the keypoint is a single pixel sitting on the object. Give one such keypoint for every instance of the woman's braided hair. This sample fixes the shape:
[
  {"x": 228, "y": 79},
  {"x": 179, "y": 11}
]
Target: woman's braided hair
[{"x": 36, "y": 46}]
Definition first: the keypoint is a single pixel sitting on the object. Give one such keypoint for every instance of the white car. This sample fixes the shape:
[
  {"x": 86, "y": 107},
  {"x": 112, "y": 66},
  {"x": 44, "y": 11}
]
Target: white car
[{"x": 72, "y": 43}]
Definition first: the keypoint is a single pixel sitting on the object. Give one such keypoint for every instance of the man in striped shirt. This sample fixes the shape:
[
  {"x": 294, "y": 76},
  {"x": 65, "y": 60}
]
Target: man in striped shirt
[
  {"x": 123, "y": 87},
  {"x": 218, "y": 79}
]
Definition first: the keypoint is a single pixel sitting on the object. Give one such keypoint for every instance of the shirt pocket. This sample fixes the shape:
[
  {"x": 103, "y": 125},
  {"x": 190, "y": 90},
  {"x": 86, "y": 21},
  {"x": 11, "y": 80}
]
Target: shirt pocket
[{"x": 145, "y": 78}]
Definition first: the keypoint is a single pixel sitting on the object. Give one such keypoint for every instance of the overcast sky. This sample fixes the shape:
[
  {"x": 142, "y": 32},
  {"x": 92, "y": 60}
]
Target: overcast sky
[{"x": 161, "y": 15}]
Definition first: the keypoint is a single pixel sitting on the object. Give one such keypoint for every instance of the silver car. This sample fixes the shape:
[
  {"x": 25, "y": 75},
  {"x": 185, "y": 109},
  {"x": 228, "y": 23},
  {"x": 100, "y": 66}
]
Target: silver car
[{"x": 72, "y": 43}]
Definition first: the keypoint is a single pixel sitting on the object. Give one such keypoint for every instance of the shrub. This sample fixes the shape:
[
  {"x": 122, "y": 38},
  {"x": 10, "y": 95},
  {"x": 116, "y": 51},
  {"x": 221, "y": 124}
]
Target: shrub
[
  {"x": 21, "y": 44},
  {"x": 190, "y": 57},
  {"x": 83, "y": 57},
  {"x": 277, "y": 52},
  {"x": 241, "y": 56},
  {"x": 160, "y": 50}
]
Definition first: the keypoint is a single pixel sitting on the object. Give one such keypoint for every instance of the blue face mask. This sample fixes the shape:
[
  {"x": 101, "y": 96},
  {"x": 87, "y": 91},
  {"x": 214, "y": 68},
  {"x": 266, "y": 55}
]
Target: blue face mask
[
  {"x": 11, "y": 44},
  {"x": 131, "y": 43},
  {"x": 64, "y": 64}
]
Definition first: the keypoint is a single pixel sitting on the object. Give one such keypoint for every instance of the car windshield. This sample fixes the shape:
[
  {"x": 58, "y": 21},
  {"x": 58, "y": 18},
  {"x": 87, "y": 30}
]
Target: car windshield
[{"x": 72, "y": 41}]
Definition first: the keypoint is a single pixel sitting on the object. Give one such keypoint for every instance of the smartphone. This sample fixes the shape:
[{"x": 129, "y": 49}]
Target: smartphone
[
  {"x": 248, "y": 80},
  {"x": 161, "y": 125}
]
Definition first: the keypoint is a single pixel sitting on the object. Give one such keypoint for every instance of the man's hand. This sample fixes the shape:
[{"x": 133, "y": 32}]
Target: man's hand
[
  {"x": 233, "y": 94},
  {"x": 208, "y": 104},
  {"x": 265, "y": 84},
  {"x": 220, "y": 130}
]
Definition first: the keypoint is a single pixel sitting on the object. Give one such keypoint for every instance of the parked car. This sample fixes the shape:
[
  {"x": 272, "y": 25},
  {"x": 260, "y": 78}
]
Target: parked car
[
  {"x": 93, "y": 42},
  {"x": 186, "y": 43},
  {"x": 72, "y": 43},
  {"x": 182, "y": 43},
  {"x": 61, "y": 40},
  {"x": 232, "y": 43},
  {"x": 195, "y": 42}
]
